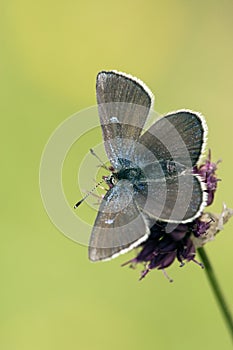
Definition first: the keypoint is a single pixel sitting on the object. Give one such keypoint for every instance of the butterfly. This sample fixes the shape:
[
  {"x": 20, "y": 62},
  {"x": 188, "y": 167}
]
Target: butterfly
[{"x": 152, "y": 174}]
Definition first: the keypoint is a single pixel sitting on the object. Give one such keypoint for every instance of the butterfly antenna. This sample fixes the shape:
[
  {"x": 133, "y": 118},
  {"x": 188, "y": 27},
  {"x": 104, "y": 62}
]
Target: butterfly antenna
[
  {"x": 166, "y": 275},
  {"x": 87, "y": 195},
  {"x": 95, "y": 155}
]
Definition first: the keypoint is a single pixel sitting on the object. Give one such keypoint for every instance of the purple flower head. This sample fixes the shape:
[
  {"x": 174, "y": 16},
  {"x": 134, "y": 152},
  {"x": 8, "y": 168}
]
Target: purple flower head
[{"x": 161, "y": 248}]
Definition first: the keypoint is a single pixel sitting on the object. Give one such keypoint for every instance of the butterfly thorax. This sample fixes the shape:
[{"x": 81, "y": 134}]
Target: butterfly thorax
[
  {"x": 129, "y": 172},
  {"x": 134, "y": 175}
]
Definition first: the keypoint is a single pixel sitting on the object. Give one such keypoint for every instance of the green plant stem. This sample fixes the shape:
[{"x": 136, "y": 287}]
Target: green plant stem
[{"x": 217, "y": 290}]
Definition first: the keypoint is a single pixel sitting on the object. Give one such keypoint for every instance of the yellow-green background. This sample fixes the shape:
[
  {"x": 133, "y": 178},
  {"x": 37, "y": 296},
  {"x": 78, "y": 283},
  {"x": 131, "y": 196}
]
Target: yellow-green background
[{"x": 51, "y": 296}]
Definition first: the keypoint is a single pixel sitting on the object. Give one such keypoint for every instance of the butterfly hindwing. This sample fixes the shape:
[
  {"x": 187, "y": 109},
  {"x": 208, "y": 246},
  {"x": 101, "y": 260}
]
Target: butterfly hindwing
[
  {"x": 178, "y": 199},
  {"x": 119, "y": 225}
]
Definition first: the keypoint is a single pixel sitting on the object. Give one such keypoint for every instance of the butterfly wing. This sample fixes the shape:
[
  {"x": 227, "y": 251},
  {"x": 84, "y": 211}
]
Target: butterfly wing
[
  {"x": 179, "y": 198},
  {"x": 123, "y": 103},
  {"x": 178, "y": 136},
  {"x": 174, "y": 193},
  {"x": 119, "y": 225}
]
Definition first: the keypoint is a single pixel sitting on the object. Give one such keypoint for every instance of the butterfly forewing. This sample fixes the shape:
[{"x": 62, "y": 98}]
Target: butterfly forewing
[
  {"x": 177, "y": 136},
  {"x": 123, "y": 104}
]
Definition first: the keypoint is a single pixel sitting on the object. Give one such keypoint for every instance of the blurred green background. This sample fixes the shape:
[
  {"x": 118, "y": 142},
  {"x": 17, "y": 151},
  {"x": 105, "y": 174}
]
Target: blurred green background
[{"x": 52, "y": 297}]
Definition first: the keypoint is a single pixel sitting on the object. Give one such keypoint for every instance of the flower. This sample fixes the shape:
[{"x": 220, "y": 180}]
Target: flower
[
  {"x": 161, "y": 249},
  {"x": 207, "y": 172},
  {"x": 216, "y": 224}
]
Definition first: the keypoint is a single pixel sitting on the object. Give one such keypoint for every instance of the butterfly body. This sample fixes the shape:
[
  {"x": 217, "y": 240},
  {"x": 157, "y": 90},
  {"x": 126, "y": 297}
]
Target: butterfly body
[{"x": 130, "y": 172}]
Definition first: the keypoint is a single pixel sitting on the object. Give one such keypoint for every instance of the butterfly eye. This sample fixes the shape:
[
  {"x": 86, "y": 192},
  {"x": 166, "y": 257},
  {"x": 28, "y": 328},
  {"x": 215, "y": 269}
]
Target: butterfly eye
[
  {"x": 113, "y": 180},
  {"x": 110, "y": 180}
]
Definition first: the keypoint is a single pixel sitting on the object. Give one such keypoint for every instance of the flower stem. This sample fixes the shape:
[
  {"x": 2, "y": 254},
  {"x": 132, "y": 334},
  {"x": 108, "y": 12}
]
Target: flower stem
[{"x": 216, "y": 290}]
